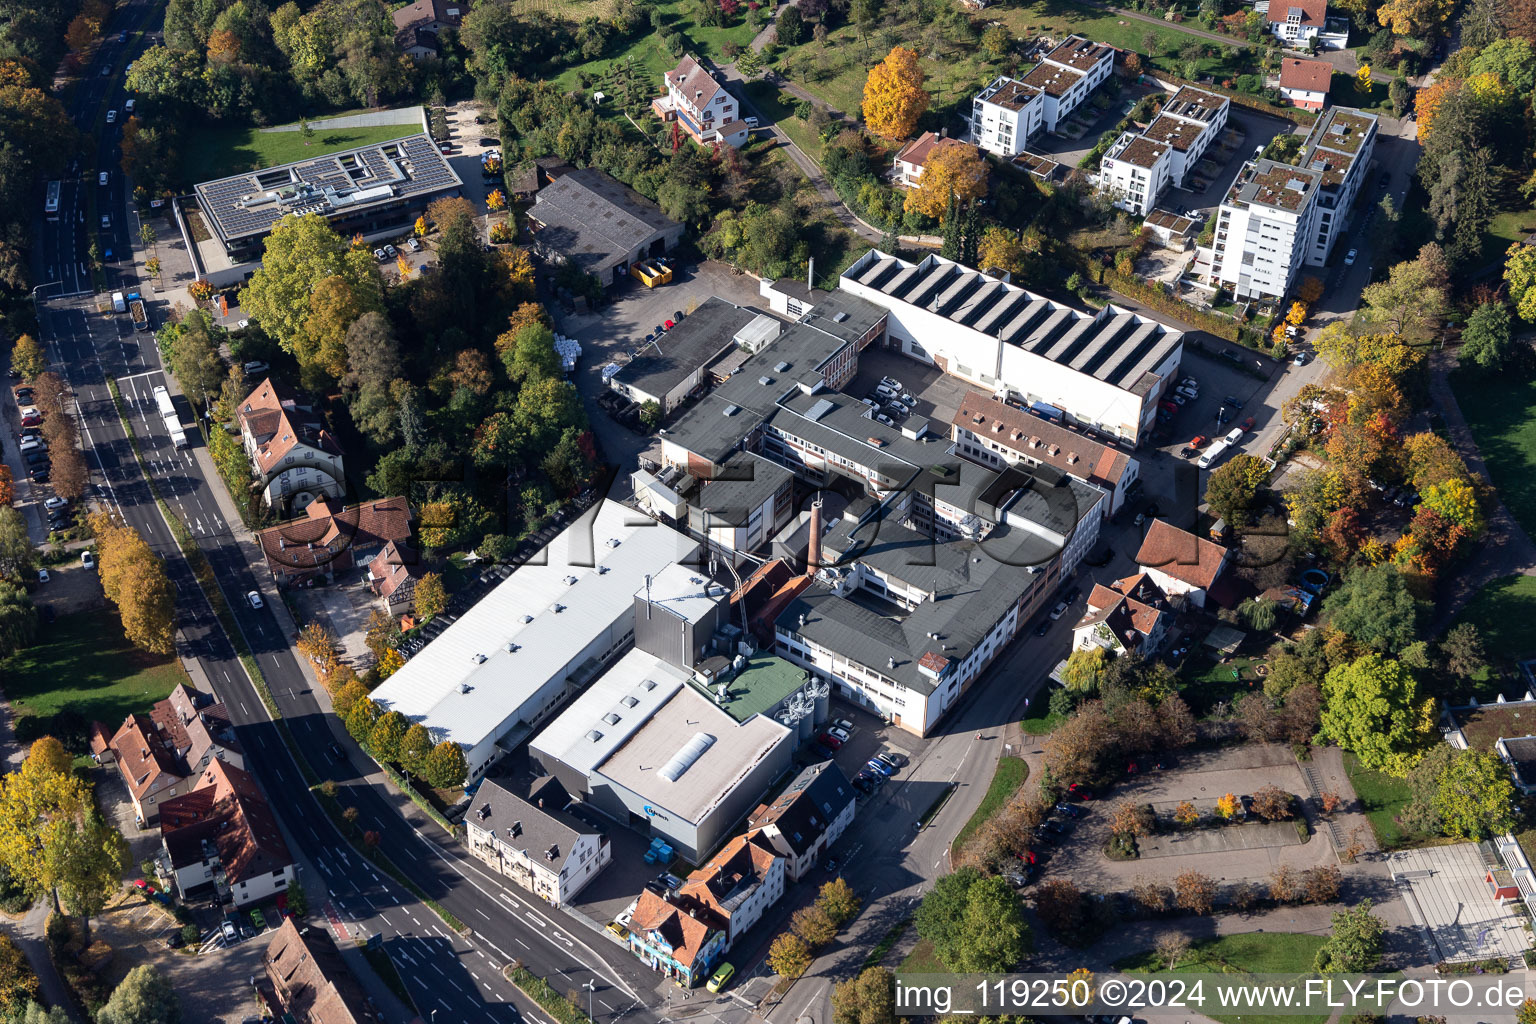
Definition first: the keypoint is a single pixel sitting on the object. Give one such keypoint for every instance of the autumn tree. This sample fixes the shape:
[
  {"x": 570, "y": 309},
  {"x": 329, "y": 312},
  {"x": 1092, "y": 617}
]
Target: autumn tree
[
  {"x": 1227, "y": 805},
  {"x": 37, "y": 801},
  {"x": 445, "y": 767},
  {"x": 144, "y": 996},
  {"x": 134, "y": 579},
  {"x": 867, "y": 998},
  {"x": 1170, "y": 948},
  {"x": 28, "y": 357},
  {"x": 1464, "y": 794},
  {"x": 1151, "y": 894},
  {"x": 1084, "y": 669},
  {"x": 1416, "y": 18},
  {"x": 317, "y": 643},
  {"x": 894, "y": 97},
  {"x": 86, "y": 859},
  {"x": 1409, "y": 303},
  {"x": 386, "y": 737},
  {"x": 18, "y": 985},
  {"x": 1272, "y": 803},
  {"x": 16, "y": 551},
  {"x": 954, "y": 169},
  {"x": 415, "y": 746},
  {"x": 430, "y": 597},
  {"x": 1194, "y": 892},
  {"x": 814, "y": 925},
  {"x": 789, "y": 956},
  {"x": 838, "y": 900}
]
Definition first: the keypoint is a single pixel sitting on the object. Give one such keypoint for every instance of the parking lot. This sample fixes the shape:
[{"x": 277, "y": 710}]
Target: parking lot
[
  {"x": 935, "y": 396},
  {"x": 1218, "y": 378}
]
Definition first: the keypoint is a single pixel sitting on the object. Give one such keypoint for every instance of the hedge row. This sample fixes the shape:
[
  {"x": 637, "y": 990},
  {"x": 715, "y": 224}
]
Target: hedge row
[{"x": 1157, "y": 298}]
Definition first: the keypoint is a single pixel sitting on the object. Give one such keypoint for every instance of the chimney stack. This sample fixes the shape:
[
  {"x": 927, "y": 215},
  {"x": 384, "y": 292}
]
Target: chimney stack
[
  {"x": 813, "y": 553},
  {"x": 810, "y": 273}
]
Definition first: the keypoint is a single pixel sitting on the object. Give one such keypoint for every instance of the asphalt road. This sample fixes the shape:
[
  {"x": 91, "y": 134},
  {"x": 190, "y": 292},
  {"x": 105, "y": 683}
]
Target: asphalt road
[{"x": 458, "y": 976}]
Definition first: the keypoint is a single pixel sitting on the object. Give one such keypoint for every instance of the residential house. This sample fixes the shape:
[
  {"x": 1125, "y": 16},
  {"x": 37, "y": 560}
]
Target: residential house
[
  {"x": 418, "y": 25},
  {"x": 700, "y": 105},
  {"x": 1519, "y": 753},
  {"x": 737, "y": 884},
  {"x": 805, "y": 820},
  {"x": 914, "y": 156},
  {"x": 1303, "y": 24},
  {"x": 535, "y": 842},
  {"x": 1134, "y": 172},
  {"x": 293, "y": 456},
  {"x": 392, "y": 575},
  {"x": 675, "y": 936},
  {"x": 310, "y": 983},
  {"x": 223, "y": 834},
  {"x": 1138, "y": 167},
  {"x": 1179, "y": 562},
  {"x": 159, "y": 753},
  {"x": 1130, "y": 614},
  {"x": 1005, "y": 115},
  {"x": 329, "y": 541},
  {"x": 1305, "y": 82}
]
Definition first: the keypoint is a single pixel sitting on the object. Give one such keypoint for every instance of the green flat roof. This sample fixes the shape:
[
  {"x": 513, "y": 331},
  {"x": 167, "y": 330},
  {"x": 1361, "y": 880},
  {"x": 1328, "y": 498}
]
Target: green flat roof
[{"x": 763, "y": 683}]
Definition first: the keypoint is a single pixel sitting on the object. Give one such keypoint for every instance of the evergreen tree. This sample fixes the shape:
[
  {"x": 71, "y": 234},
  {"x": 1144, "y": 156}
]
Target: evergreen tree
[{"x": 972, "y": 240}]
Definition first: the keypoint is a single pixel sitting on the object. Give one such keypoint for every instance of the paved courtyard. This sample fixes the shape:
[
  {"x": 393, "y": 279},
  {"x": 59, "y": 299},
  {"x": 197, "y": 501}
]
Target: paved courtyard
[
  {"x": 1447, "y": 895},
  {"x": 343, "y": 608}
]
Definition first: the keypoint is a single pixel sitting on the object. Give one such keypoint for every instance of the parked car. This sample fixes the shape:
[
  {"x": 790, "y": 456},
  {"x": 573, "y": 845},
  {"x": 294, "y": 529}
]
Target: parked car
[
  {"x": 255, "y": 600},
  {"x": 378, "y": 254},
  {"x": 1302, "y": 359},
  {"x": 721, "y": 977},
  {"x": 42, "y": 575},
  {"x": 1349, "y": 257},
  {"x": 829, "y": 741},
  {"x": 1071, "y": 810},
  {"x": 1043, "y": 628},
  {"x": 30, "y": 417},
  {"x": 55, "y": 502},
  {"x": 1058, "y": 611},
  {"x": 894, "y": 758},
  {"x": 87, "y": 560},
  {"x": 840, "y": 733},
  {"x": 111, "y": 117},
  {"x": 874, "y": 764},
  {"x": 413, "y": 245},
  {"x": 843, "y": 723}
]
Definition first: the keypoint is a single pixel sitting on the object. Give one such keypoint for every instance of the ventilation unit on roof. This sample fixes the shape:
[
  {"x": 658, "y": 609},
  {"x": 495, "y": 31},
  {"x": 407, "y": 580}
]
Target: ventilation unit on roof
[
  {"x": 611, "y": 718},
  {"x": 650, "y": 684},
  {"x": 613, "y": 542},
  {"x": 602, "y": 570},
  {"x": 629, "y": 702},
  {"x": 479, "y": 659},
  {"x": 780, "y": 366},
  {"x": 570, "y": 581},
  {"x": 730, "y": 410},
  {"x": 559, "y": 608},
  {"x": 465, "y": 687},
  {"x": 527, "y": 619},
  {"x": 765, "y": 381},
  {"x": 513, "y": 648},
  {"x": 838, "y": 318},
  {"x": 594, "y": 735}
]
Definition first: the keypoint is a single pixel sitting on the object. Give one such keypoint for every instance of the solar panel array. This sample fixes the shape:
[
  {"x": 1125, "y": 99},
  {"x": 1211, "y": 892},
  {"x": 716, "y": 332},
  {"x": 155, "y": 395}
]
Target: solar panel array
[{"x": 246, "y": 205}]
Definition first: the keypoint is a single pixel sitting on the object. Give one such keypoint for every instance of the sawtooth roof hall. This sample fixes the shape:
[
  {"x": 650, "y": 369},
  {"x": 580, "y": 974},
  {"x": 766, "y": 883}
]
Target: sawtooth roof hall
[{"x": 540, "y": 635}]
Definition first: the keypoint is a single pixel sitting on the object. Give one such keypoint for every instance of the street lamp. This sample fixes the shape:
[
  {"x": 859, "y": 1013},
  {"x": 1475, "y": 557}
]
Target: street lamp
[{"x": 591, "y": 987}]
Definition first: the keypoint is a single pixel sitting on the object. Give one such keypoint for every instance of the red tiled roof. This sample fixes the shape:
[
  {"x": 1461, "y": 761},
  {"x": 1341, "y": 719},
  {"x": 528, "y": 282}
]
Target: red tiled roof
[
  {"x": 1181, "y": 554},
  {"x": 392, "y": 568},
  {"x": 270, "y": 421},
  {"x": 311, "y": 980},
  {"x": 226, "y": 808},
  {"x": 1313, "y": 12},
  {"x": 1310, "y": 75},
  {"x": 686, "y": 933},
  {"x": 738, "y": 863},
  {"x": 143, "y": 755},
  {"x": 323, "y": 539}
]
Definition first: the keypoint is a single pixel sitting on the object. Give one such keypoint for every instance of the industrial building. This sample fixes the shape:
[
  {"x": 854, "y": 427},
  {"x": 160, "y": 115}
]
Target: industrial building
[
  {"x": 1104, "y": 370},
  {"x": 538, "y": 638},
  {"x": 676, "y": 364},
  {"x": 373, "y": 191},
  {"x": 602, "y": 226}
]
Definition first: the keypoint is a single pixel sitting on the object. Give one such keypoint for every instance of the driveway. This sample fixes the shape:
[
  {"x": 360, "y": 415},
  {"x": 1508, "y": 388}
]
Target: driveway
[
  {"x": 343, "y": 608},
  {"x": 214, "y": 987}
]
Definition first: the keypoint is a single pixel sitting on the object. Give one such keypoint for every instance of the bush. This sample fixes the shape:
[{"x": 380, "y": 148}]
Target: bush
[
  {"x": 1157, "y": 297},
  {"x": 190, "y": 934},
  {"x": 1492, "y": 965}
]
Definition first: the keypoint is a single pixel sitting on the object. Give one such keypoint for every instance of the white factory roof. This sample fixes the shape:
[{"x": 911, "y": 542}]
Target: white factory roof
[
  {"x": 684, "y": 591},
  {"x": 690, "y": 755},
  {"x": 479, "y": 673},
  {"x": 630, "y": 691}
]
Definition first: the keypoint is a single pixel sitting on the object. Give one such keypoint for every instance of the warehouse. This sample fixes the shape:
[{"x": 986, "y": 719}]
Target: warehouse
[
  {"x": 538, "y": 638},
  {"x": 586, "y": 218},
  {"x": 672, "y": 367}
]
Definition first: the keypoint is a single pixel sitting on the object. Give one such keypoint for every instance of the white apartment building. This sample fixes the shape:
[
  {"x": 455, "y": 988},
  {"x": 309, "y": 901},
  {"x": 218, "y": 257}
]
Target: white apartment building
[
  {"x": 1134, "y": 172},
  {"x": 1005, "y": 115},
  {"x": 1338, "y": 148},
  {"x": 705, "y": 108},
  {"x": 1067, "y": 75},
  {"x": 538, "y": 845},
  {"x": 1278, "y": 217},
  {"x": 1138, "y": 167},
  {"x": 1264, "y": 231}
]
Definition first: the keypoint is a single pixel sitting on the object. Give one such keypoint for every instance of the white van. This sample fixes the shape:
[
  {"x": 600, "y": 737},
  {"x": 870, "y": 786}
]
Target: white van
[
  {"x": 128, "y": 106},
  {"x": 1211, "y": 454}
]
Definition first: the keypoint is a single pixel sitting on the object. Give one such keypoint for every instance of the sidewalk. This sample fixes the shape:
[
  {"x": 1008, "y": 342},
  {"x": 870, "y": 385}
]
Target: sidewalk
[{"x": 27, "y": 933}]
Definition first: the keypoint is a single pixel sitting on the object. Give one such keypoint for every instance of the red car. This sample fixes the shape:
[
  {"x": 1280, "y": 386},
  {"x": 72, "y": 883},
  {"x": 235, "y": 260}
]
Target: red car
[
  {"x": 1079, "y": 792},
  {"x": 1248, "y": 424},
  {"x": 829, "y": 741},
  {"x": 30, "y": 417}
]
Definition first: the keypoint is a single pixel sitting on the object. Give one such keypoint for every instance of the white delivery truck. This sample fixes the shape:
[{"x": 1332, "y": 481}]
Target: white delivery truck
[{"x": 119, "y": 303}]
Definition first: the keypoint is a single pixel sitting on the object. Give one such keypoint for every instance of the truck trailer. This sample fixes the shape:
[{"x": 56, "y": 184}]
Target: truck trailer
[{"x": 170, "y": 417}]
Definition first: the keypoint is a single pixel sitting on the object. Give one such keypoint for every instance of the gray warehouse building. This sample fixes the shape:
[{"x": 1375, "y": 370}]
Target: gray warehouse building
[{"x": 586, "y": 218}]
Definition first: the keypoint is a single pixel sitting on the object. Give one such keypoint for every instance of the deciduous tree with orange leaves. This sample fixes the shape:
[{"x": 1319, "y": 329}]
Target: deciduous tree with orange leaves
[
  {"x": 894, "y": 97},
  {"x": 953, "y": 167},
  {"x": 1428, "y": 101}
]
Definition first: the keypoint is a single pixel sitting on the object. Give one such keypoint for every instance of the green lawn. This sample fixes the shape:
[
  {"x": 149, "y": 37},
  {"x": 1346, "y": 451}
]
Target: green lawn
[
  {"x": 645, "y": 48},
  {"x": 1006, "y": 780},
  {"x": 1503, "y": 612},
  {"x": 1344, "y": 92},
  {"x": 1057, "y": 19},
  {"x": 1501, "y": 411},
  {"x": 922, "y": 960},
  {"x": 1040, "y": 725},
  {"x": 1504, "y": 230},
  {"x": 1249, "y": 952},
  {"x": 1383, "y": 798},
  {"x": 218, "y": 152},
  {"x": 85, "y": 666},
  {"x": 779, "y": 107},
  {"x": 1204, "y": 681}
]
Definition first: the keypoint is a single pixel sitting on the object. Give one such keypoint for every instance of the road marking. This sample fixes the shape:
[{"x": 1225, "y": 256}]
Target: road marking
[{"x": 482, "y": 913}]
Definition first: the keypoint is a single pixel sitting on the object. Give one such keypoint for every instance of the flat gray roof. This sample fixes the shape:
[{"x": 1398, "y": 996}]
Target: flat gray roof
[
  {"x": 744, "y": 483},
  {"x": 245, "y": 206},
  {"x": 594, "y": 221},
  {"x": 708, "y": 775},
  {"x": 695, "y": 342}
]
